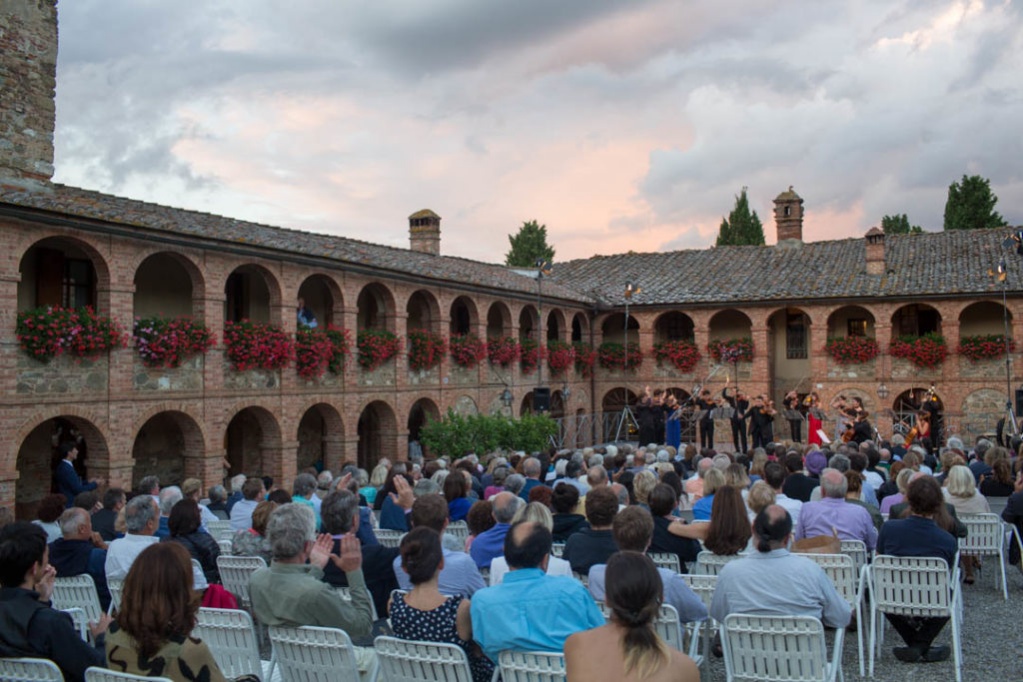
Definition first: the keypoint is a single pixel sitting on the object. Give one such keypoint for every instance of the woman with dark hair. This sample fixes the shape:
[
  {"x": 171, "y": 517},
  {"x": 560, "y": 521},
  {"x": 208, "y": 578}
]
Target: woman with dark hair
[
  {"x": 152, "y": 632},
  {"x": 1000, "y": 482},
  {"x": 253, "y": 542},
  {"x": 456, "y": 492},
  {"x": 663, "y": 502},
  {"x": 728, "y": 531},
  {"x": 628, "y": 648},
  {"x": 183, "y": 524},
  {"x": 565, "y": 500},
  {"x": 479, "y": 519},
  {"x": 50, "y": 509},
  {"x": 424, "y": 614}
]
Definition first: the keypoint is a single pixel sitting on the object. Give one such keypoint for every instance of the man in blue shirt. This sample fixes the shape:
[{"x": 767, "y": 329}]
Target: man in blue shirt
[
  {"x": 530, "y": 610},
  {"x": 490, "y": 543},
  {"x": 532, "y": 470},
  {"x": 459, "y": 574}
]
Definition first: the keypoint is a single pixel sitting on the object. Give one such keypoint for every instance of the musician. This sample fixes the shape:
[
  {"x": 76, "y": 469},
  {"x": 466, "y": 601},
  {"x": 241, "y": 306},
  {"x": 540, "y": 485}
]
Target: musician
[
  {"x": 761, "y": 422},
  {"x": 920, "y": 434},
  {"x": 740, "y": 403},
  {"x": 840, "y": 404},
  {"x": 791, "y": 402},
  {"x": 862, "y": 431},
  {"x": 813, "y": 405},
  {"x": 672, "y": 422},
  {"x": 932, "y": 406},
  {"x": 645, "y": 419},
  {"x": 657, "y": 407},
  {"x": 706, "y": 405}
]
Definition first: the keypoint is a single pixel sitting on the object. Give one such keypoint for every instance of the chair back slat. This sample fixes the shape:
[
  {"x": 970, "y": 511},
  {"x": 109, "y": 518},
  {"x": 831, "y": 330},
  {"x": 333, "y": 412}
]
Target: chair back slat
[
  {"x": 314, "y": 654},
  {"x": 409, "y": 661},
  {"x": 709, "y": 563},
  {"x": 531, "y": 666},
  {"x": 389, "y": 538},
  {"x": 231, "y": 638},
  {"x": 985, "y": 535},
  {"x": 857, "y": 549},
  {"x": 666, "y": 560},
  {"x": 911, "y": 586},
  {"x": 235, "y": 572},
  {"x": 29, "y": 670},
  {"x": 841, "y": 569},
  {"x": 667, "y": 625},
  {"x": 775, "y": 648},
  {"x": 77, "y": 592},
  {"x": 458, "y": 529},
  {"x": 557, "y": 549},
  {"x": 219, "y": 530}
]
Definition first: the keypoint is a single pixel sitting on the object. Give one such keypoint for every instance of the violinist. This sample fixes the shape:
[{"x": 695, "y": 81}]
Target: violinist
[
  {"x": 862, "y": 430},
  {"x": 812, "y": 403},
  {"x": 761, "y": 422},
  {"x": 740, "y": 403},
  {"x": 932, "y": 406},
  {"x": 792, "y": 404},
  {"x": 839, "y": 404},
  {"x": 672, "y": 422},
  {"x": 646, "y": 419},
  {"x": 706, "y": 405},
  {"x": 920, "y": 434}
]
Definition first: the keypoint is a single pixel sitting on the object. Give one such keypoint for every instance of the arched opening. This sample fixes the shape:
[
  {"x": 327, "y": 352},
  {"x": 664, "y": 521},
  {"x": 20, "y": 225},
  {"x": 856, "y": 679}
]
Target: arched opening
[
  {"x": 557, "y": 404},
  {"x": 249, "y": 295},
  {"x": 38, "y": 458},
  {"x": 916, "y": 319},
  {"x": 908, "y": 403},
  {"x": 730, "y": 324},
  {"x": 376, "y": 306},
  {"x": 464, "y": 317},
  {"x": 423, "y": 311},
  {"x": 674, "y": 326},
  {"x": 613, "y": 329},
  {"x": 851, "y": 320},
  {"x": 423, "y": 410},
  {"x": 555, "y": 325},
  {"x": 580, "y": 327},
  {"x": 378, "y": 429},
  {"x": 983, "y": 318},
  {"x": 60, "y": 272},
  {"x": 618, "y": 423},
  {"x": 526, "y": 406},
  {"x": 321, "y": 295},
  {"x": 529, "y": 319},
  {"x": 788, "y": 333},
  {"x": 249, "y": 433},
  {"x": 321, "y": 436},
  {"x": 163, "y": 445},
  {"x": 498, "y": 321},
  {"x": 617, "y": 399},
  {"x": 164, "y": 283}
]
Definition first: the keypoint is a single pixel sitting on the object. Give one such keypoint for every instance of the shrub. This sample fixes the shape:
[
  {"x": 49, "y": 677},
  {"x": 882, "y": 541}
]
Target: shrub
[
  {"x": 44, "y": 333},
  {"x": 456, "y": 435}
]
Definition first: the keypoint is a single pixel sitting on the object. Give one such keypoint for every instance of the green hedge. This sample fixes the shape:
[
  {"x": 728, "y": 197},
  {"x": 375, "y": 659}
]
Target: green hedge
[{"x": 456, "y": 435}]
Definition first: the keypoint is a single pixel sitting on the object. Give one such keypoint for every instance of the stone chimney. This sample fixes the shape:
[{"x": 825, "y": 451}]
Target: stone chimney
[
  {"x": 28, "y": 73},
  {"x": 875, "y": 252},
  {"x": 424, "y": 232},
  {"x": 788, "y": 217}
]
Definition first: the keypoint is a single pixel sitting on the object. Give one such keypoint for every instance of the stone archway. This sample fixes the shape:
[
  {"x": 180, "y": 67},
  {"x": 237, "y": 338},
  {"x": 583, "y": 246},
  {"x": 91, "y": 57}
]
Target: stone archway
[
  {"x": 251, "y": 432},
  {"x": 321, "y": 435},
  {"x": 169, "y": 445},
  {"x": 377, "y": 431}
]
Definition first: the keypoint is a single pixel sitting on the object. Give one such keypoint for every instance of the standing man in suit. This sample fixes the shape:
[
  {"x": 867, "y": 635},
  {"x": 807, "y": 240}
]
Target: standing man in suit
[{"x": 69, "y": 483}]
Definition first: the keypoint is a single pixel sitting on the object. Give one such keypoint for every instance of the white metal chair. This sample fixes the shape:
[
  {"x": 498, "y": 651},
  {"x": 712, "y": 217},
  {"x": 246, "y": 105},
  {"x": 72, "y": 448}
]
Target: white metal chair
[
  {"x": 557, "y": 549},
  {"x": 389, "y": 538},
  {"x": 985, "y": 538},
  {"x": 115, "y": 585},
  {"x": 790, "y": 648},
  {"x": 103, "y": 675},
  {"x": 29, "y": 670},
  {"x": 709, "y": 563},
  {"x": 857, "y": 549},
  {"x": 314, "y": 654},
  {"x": 668, "y": 627},
  {"x": 80, "y": 621},
  {"x": 841, "y": 569},
  {"x": 531, "y": 666},
  {"x": 219, "y": 530},
  {"x": 458, "y": 529},
  {"x": 77, "y": 592},
  {"x": 408, "y": 661},
  {"x": 231, "y": 637},
  {"x": 914, "y": 586},
  {"x": 704, "y": 586},
  {"x": 235, "y": 572},
  {"x": 226, "y": 546},
  {"x": 485, "y": 573},
  {"x": 666, "y": 560},
  {"x": 346, "y": 594}
]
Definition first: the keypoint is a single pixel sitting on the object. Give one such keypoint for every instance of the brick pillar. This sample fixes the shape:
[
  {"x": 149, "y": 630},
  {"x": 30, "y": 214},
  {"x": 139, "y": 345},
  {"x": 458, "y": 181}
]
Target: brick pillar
[
  {"x": 334, "y": 452},
  {"x": 401, "y": 359},
  {"x": 208, "y": 467},
  {"x": 950, "y": 368},
  {"x": 215, "y": 361},
  {"x": 761, "y": 374},
  {"x": 280, "y": 462}
]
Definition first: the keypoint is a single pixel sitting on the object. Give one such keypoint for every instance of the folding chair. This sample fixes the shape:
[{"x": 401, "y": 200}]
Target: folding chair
[
  {"x": 557, "y": 549},
  {"x": 709, "y": 563},
  {"x": 666, "y": 560},
  {"x": 80, "y": 621},
  {"x": 104, "y": 675},
  {"x": 77, "y": 592},
  {"x": 458, "y": 529},
  {"x": 315, "y": 654},
  {"x": 857, "y": 549},
  {"x": 346, "y": 594},
  {"x": 231, "y": 637},
  {"x": 985, "y": 538},
  {"x": 669, "y": 628},
  {"x": 226, "y": 546},
  {"x": 914, "y": 586},
  {"x": 531, "y": 666},
  {"x": 408, "y": 661},
  {"x": 115, "y": 585},
  {"x": 389, "y": 538},
  {"x": 841, "y": 569},
  {"x": 704, "y": 586},
  {"x": 29, "y": 670},
  {"x": 790, "y": 648},
  {"x": 235, "y": 572},
  {"x": 219, "y": 530}
]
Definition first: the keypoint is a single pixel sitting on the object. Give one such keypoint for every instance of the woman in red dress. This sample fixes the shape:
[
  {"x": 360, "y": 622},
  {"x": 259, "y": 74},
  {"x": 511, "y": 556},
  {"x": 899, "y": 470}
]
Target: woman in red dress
[{"x": 815, "y": 424}]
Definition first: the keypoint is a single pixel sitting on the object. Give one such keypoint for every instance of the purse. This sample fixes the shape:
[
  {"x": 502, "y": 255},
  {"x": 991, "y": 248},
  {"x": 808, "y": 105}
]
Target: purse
[{"x": 822, "y": 544}]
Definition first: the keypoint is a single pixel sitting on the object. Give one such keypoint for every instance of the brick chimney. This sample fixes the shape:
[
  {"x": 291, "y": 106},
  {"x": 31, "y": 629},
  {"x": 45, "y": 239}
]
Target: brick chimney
[
  {"x": 424, "y": 232},
  {"x": 28, "y": 72},
  {"x": 788, "y": 217},
  {"x": 875, "y": 252}
]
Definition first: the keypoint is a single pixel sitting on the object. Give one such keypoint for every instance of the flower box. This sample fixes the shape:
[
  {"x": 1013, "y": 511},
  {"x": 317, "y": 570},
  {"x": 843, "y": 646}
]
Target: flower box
[
  {"x": 503, "y": 352},
  {"x": 852, "y": 350},
  {"x": 585, "y": 358},
  {"x": 321, "y": 350},
  {"x": 683, "y": 355},
  {"x": 467, "y": 351},
  {"x": 984, "y": 347},
  {"x": 376, "y": 346},
  {"x": 256, "y": 345},
  {"x": 732, "y": 350},
  {"x": 560, "y": 356},
  {"x": 927, "y": 351},
  {"x": 530, "y": 355},
  {"x": 425, "y": 349},
  {"x": 47, "y": 332},
  {"x": 163, "y": 342},
  {"x": 613, "y": 355}
]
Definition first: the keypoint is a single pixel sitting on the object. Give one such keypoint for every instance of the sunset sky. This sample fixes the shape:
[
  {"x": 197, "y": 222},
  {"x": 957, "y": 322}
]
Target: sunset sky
[{"x": 620, "y": 125}]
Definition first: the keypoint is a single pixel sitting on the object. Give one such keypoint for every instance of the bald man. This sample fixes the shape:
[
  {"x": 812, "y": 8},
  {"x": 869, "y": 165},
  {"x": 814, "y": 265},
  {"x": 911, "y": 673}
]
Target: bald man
[{"x": 490, "y": 543}]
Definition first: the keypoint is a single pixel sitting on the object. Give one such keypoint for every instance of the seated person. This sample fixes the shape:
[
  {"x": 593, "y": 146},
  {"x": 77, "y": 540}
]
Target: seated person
[
  {"x": 594, "y": 545},
  {"x": 81, "y": 551},
  {"x": 628, "y": 648},
  {"x": 538, "y": 513}
]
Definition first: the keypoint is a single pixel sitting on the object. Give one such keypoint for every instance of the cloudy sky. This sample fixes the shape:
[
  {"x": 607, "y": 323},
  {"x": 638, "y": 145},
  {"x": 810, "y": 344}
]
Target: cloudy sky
[{"x": 620, "y": 125}]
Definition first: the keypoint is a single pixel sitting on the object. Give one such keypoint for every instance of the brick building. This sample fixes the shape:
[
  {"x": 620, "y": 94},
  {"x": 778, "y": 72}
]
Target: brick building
[{"x": 129, "y": 259}]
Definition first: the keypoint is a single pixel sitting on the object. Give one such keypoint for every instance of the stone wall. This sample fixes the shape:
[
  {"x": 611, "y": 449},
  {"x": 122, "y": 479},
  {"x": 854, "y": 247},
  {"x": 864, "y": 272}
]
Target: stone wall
[
  {"x": 64, "y": 375},
  {"x": 185, "y": 377}
]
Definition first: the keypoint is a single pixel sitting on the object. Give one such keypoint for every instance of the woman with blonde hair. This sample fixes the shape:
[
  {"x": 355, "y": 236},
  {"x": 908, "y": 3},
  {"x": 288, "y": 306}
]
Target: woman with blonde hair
[
  {"x": 628, "y": 648},
  {"x": 642, "y": 484},
  {"x": 712, "y": 481},
  {"x": 961, "y": 492},
  {"x": 537, "y": 512},
  {"x": 760, "y": 497}
]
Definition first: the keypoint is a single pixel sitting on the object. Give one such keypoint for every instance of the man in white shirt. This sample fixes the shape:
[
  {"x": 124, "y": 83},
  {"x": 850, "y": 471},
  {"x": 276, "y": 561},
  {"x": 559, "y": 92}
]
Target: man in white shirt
[{"x": 141, "y": 518}]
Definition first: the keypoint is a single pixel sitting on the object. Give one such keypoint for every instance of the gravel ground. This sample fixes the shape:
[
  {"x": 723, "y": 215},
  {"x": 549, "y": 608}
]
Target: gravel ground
[{"x": 992, "y": 639}]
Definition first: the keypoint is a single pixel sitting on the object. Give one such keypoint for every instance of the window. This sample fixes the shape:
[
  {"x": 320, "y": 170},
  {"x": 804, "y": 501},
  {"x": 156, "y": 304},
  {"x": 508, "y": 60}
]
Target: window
[
  {"x": 795, "y": 338},
  {"x": 857, "y": 326},
  {"x": 77, "y": 284}
]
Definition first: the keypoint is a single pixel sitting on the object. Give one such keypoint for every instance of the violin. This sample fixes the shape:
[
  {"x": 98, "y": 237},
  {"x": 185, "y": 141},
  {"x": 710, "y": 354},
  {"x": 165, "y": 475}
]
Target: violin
[{"x": 847, "y": 435}]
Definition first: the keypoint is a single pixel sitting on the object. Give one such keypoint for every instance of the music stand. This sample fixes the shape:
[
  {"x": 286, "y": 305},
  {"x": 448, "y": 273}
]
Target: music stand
[
  {"x": 724, "y": 412},
  {"x": 625, "y": 417},
  {"x": 793, "y": 415}
]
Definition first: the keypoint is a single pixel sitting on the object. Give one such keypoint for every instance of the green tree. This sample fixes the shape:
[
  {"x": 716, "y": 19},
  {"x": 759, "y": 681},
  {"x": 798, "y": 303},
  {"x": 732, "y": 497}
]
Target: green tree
[
  {"x": 528, "y": 246},
  {"x": 971, "y": 205},
  {"x": 899, "y": 224},
  {"x": 741, "y": 227}
]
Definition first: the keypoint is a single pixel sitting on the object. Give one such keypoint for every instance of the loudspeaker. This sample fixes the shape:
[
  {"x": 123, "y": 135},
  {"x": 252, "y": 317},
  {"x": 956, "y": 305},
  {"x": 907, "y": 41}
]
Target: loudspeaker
[
  {"x": 542, "y": 399},
  {"x": 1019, "y": 402}
]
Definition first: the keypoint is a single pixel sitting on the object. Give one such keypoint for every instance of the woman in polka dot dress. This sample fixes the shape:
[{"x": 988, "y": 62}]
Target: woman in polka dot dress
[{"x": 424, "y": 614}]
